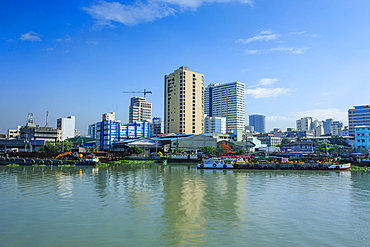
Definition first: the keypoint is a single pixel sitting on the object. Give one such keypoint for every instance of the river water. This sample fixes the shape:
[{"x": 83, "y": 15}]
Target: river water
[{"x": 178, "y": 205}]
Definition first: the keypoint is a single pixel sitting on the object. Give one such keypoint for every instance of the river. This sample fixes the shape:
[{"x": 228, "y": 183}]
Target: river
[{"x": 178, "y": 205}]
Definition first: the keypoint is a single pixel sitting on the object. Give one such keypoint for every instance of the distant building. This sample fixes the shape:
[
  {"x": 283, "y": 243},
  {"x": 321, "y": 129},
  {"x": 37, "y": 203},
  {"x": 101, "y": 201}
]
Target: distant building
[
  {"x": 326, "y": 124},
  {"x": 66, "y": 127},
  {"x": 215, "y": 124},
  {"x": 156, "y": 127},
  {"x": 249, "y": 128},
  {"x": 336, "y": 128},
  {"x": 184, "y": 102},
  {"x": 226, "y": 100},
  {"x": 109, "y": 116},
  {"x": 362, "y": 138},
  {"x": 258, "y": 122},
  {"x": 305, "y": 123},
  {"x": 358, "y": 116},
  {"x": 140, "y": 110}
]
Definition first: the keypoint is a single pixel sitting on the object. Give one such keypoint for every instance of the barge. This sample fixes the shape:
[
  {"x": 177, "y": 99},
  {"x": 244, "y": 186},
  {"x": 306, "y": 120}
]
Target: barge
[{"x": 215, "y": 163}]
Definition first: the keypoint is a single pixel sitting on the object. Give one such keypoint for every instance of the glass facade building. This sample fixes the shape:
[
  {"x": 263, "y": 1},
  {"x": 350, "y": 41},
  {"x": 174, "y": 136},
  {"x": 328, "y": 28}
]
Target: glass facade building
[{"x": 258, "y": 122}]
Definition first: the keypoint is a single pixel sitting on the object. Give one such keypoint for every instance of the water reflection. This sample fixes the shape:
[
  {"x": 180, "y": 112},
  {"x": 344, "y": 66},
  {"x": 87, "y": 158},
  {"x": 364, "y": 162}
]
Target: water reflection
[{"x": 177, "y": 205}]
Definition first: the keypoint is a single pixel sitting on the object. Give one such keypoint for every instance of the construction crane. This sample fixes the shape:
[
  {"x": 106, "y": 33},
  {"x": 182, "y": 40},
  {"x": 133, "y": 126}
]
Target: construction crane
[{"x": 144, "y": 92}]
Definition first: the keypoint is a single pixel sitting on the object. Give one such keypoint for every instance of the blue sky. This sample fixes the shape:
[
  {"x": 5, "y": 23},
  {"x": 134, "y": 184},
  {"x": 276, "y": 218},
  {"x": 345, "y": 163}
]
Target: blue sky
[{"x": 297, "y": 58}]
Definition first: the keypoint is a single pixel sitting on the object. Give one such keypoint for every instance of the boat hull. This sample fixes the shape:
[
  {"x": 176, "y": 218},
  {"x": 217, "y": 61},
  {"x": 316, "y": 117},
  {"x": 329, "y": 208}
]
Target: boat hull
[
  {"x": 31, "y": 161},
  {"x": 277, "y": 166}
]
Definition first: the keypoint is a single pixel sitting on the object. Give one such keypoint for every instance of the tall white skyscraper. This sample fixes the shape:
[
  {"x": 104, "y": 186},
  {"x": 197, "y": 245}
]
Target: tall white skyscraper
[
  {"x": 140, "y": 110},
  {"x": 226, "y": 100},
  {"x": 67, "y": 127}
]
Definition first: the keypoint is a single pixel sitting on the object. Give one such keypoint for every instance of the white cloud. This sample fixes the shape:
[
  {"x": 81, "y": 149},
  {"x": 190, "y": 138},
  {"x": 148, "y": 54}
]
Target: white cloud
[
  {"x": 267, "y": 92},
  {"x": 144, "y": 11},
  {"x": 245, "y": 70},
  {"x": 279, "y": 118},
  {"x": 31, "y": 36},
  {"x": 286, "y": 50},
  {"x": 267, "y": 81},
  {"x": 289, "y": 50},
  {"x": 322, "y": 114},
  {"x": 252, "y": 52},
  {"x": 262, "y": 36},
  {"x": 67, "y": 39}
]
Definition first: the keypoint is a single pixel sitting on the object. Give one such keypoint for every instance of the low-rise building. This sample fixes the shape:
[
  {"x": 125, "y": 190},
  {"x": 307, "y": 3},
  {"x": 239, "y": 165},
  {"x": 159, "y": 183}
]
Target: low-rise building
[{"x": 362, "y": 138}]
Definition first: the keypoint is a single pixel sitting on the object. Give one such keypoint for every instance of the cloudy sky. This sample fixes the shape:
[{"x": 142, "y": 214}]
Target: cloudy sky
[{"x": 297, "y": 58}]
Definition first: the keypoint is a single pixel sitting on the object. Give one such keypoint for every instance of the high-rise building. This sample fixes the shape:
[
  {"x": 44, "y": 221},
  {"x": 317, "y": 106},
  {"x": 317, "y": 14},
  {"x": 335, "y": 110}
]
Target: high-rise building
[
  {"x": 66, "y": 127},
  {"x": 360, "y": 115},
  {"x": 226, "y": 100},
  {"x": 306, "y": 123},
  {"x": 140, "y": 110},
  {"x": 258, "y": 122},
  {"x": 183, "y": 104}
]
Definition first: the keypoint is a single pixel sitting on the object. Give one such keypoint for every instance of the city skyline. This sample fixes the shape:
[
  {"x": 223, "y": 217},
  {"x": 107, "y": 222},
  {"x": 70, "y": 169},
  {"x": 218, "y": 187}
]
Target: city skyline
[{"x": 76, "y": 58}]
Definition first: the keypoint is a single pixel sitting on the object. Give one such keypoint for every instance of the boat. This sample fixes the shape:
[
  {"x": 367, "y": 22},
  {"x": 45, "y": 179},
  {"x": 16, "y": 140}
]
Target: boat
[
  {"x": 215, "y": 163},
  {"x": 240, "y": 163},
  {"x": 345, "y": 166}
]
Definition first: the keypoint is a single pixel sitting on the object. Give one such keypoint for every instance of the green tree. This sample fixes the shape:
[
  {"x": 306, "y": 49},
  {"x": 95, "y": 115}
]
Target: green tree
[
  {"x": 321, "y": 148},
  {"x": 285, "y": 141},
  {"x": 338, "y": 140},
  {"x": 208, "y": 150},
  {"x": 57, "y": 147},
  {"x": 241, "y": 152},
  {"x": 135, "y": 150}
]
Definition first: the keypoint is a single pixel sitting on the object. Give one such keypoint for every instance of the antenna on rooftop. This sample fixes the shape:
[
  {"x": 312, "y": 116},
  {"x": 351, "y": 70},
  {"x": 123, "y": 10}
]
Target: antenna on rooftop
[{"x": 47, "y": 115}]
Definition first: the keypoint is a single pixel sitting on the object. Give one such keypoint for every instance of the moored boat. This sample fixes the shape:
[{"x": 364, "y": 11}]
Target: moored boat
[
  {"x": 218, "y": 163},
  {"x": 345, "y": 166},
  {"x": 215, "y": 163}
]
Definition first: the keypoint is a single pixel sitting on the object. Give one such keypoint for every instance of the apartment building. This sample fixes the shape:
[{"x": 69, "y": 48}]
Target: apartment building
[{"x": 184, "y": 104}]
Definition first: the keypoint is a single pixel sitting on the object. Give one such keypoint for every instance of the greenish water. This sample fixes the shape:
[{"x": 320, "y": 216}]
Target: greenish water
[{"x": 178, "y": 205}]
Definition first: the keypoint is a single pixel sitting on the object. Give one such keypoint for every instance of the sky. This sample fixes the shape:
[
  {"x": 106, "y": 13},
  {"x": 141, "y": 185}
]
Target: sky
[{"x": 297, "y": 58}]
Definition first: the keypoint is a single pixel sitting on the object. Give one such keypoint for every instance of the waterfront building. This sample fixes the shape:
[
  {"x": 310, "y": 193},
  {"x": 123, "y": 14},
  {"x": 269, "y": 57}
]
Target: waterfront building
[
  {"x": 184, "y": 104},
  {"x": 362, "y": 138},
  {"x": 108, "y": 132},
  {"x": 140, "y": 110},
  {"x": 258, "y": 122},
  {"x": 66, "y": 127},
  {"x": 226, "y": 100},
  {"x": 269, "y": 139},
  {"x": 14, "y": 133},
  {"x": 215, "y": 124},
  {"x": 360, "y": 115},
  {"x": 32, "y": 131}
]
